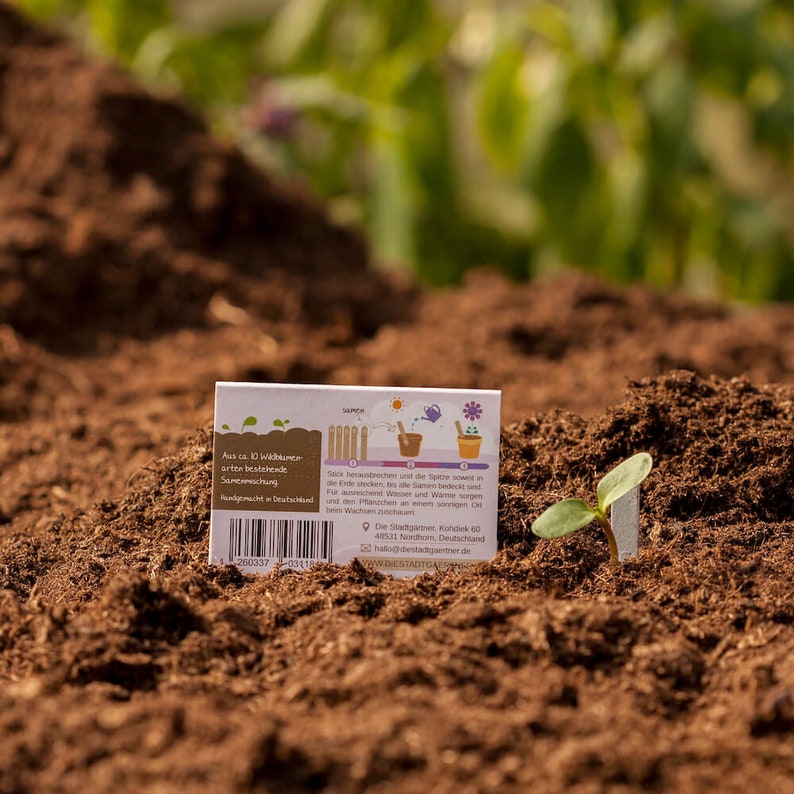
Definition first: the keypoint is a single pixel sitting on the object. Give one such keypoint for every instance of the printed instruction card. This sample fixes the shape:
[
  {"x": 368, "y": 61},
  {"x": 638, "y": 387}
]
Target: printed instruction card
[{"x": 405, "y": 479}]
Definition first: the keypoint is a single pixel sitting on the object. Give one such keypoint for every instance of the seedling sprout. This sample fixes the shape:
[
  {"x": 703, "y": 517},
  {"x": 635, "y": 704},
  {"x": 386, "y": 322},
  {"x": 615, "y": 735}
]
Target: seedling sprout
[{"x": 570, "y": 515}]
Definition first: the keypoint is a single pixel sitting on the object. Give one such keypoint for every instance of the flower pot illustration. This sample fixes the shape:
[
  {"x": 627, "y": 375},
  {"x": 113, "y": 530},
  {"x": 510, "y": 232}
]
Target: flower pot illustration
[
  {"x": 469, "y": 446},
  {"x": 410, "y": 444}
]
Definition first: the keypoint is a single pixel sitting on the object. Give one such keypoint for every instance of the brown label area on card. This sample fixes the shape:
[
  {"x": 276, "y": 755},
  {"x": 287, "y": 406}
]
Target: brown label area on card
[{"x": 276, "y": 471}]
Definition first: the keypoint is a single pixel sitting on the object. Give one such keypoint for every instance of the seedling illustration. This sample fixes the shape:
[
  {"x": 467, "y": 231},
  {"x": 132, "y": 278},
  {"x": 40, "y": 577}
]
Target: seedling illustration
[
  {"x": 570, "y": 515},
  {"x": 249, "y": 421},
  {"x": 282, "y": 423}
]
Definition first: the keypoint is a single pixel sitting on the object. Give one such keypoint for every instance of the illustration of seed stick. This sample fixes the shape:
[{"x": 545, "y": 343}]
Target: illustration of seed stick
[
  {"x": 459, "y": 428},
  {"x": 403, "y": 434}
]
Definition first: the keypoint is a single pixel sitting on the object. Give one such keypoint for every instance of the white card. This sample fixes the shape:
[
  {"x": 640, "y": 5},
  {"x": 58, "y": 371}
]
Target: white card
[{"x": 403, "y": 478}]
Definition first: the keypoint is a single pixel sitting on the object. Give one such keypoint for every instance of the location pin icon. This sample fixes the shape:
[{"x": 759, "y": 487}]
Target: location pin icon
[{"x": 365, "y": 525}]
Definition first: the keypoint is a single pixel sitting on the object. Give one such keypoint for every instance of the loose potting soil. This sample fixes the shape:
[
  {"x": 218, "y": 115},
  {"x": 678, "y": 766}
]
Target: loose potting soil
[{"x": 140, "y": 261}]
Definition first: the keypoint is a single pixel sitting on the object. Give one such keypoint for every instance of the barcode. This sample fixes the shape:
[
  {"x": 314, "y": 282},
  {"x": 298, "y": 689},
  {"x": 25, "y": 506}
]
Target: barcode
[{"x": 280, "y": 539}]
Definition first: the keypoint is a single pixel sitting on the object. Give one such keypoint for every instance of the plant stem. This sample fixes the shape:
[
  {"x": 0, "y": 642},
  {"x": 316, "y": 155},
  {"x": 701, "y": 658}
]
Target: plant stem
[{"x": 613, "y": 546}]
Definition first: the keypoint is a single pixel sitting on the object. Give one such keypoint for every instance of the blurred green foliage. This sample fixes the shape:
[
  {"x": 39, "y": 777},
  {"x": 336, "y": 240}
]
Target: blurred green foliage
[{"x": 639, "y": 139}]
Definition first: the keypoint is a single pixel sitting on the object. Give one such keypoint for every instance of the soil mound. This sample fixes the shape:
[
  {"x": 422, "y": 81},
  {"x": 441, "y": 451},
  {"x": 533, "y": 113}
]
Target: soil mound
[
  {"x": 570, "y": 342},
  {"x": 121, "y": 215},
  {"x": 723, "y": 449}
]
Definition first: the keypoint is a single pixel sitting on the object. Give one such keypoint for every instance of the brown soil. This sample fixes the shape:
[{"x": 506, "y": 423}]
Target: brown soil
[{"x": 140, "y": 261}]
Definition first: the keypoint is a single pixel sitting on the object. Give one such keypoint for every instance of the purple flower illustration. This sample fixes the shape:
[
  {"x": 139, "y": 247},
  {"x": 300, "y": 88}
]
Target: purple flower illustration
[{"x": 472, "y": 411}]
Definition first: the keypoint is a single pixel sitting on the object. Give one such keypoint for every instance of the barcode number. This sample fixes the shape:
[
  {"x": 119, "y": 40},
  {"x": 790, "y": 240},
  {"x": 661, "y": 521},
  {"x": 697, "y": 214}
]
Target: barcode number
[{"x": 280, "y": 539}]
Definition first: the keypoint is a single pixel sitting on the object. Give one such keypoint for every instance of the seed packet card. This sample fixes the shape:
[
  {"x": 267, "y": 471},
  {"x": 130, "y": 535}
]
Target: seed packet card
[{"x": 404, "y": 479}]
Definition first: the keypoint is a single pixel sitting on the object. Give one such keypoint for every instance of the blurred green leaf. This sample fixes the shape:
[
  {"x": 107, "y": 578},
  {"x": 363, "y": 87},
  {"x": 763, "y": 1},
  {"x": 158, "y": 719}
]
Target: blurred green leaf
[
  {"x": 291, "y": 30},
  {"x": 566, "y": 172},
  {"x": 669, "y": 99},
  {"x": 502, "y": 108}
]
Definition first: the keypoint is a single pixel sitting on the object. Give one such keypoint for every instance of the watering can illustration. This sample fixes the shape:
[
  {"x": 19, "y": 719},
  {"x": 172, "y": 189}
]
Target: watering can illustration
[{"x": 432, "y": 413}]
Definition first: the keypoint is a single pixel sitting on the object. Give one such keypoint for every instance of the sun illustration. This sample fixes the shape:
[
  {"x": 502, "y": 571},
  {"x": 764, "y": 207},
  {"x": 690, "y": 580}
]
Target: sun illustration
[{"x": 397, "y": 404}]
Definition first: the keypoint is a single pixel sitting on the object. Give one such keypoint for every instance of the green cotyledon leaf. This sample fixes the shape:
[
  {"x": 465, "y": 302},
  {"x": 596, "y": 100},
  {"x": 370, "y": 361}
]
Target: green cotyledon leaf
[
  {"x": 623, "y": 478},
  {"x": 563, "y": 518}
]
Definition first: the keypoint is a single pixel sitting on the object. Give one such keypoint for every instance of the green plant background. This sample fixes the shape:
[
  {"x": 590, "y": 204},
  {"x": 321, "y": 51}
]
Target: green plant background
[{"x": 639, "y": 139}]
